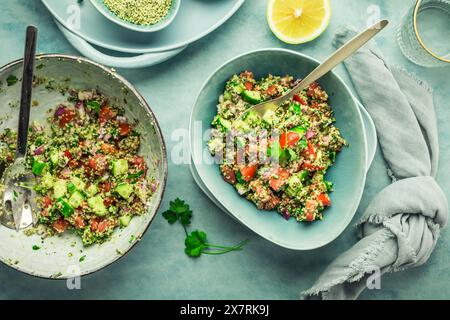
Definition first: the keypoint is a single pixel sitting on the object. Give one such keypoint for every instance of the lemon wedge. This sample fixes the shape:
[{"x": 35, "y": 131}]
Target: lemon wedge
[{"x": 298, "y": 21}]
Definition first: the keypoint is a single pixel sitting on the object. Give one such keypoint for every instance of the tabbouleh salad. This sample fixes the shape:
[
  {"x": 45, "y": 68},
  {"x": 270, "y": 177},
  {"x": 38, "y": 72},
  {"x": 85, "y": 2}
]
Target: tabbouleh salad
[
  {"x": 305, "y": 146},
  {"x": 90, "y": 177}
]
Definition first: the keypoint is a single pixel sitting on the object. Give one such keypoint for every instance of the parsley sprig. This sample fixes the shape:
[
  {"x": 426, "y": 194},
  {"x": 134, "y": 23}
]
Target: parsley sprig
[{"x": 196, "y": 242}]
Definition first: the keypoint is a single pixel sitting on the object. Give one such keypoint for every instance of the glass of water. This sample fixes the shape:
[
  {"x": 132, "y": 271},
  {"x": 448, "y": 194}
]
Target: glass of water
[{"x": 424, "y": 34}]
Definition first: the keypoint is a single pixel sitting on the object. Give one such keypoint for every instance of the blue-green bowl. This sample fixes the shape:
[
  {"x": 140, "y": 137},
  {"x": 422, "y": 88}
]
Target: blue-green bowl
[
  {"x": 104, "y": 10},
  {"x": 348, "y": 173}
]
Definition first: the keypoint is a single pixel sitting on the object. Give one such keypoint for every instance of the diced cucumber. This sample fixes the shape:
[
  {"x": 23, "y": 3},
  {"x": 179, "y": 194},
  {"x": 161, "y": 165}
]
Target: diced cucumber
[
  {"x": 294, "y": 185},
  {"x": 303, "y": 175},
  {"x": 47, "y": 181},
  {"x": 54, "y": 157},
  {"x": 253, "y": 97},
  {"x": 92, "y": 190},
  {"x": 296, "y": 108},
  {"x": 124, "y": 221},
  {"x": 39, "y": 168},
  {"x": 270, "y": 117},
  {"x": 226, "y": 96},
  {"x": 120, "y": 167},
  {"x": 71, "y": 188},
  {"x": 222, "y": 122},
  {"x": 76, "y": 199},
  {"x": 253, "y": 118},
  {"x": 79, "y": 184},
  {"x": 300, "y": 130},
  {"x": 242, "y": 188},
  {"x": 97, "y": 206},
  {"x": 124, "y": 190},
  {"x": 292, "y": 155},
  {"x": 59, "y": 188},
  {"x": 238, "y": 88},
  {"x": 65, "y": 208}
]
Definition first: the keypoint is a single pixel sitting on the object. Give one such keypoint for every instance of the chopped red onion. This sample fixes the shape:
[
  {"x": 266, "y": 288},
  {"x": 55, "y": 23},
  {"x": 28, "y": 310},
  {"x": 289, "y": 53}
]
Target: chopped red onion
[
  {"x": 60, "y": 111},
  {"x": 310, "y": 134},
  {"x": 39, "y": 150}
]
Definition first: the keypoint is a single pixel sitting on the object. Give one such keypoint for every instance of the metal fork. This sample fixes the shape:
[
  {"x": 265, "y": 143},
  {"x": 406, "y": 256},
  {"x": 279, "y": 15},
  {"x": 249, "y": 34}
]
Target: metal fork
[
  {"x": 337, "y": 57},
  {"x": 18, "y": 197}
]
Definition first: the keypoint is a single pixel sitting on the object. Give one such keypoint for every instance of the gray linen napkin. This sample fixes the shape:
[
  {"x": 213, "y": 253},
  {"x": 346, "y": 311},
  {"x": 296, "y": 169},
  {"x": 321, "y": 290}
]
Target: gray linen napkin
[{"x": 400, "y": 227}]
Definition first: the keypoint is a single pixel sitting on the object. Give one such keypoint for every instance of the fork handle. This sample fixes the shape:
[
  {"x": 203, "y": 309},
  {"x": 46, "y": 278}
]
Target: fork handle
[
  {"x": 25, "y": 97},
  {"x": 338, "y": 56}
]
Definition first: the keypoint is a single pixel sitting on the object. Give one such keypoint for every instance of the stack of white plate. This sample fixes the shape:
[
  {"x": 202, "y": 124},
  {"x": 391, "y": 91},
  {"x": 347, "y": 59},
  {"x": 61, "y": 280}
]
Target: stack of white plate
[{"x": 109, "y": 43}]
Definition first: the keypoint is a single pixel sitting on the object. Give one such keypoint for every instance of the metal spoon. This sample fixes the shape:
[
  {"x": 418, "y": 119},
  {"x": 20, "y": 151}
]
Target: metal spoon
[
  {"x": 18, "y": 197},
  {"x": 337, "y": 57}
]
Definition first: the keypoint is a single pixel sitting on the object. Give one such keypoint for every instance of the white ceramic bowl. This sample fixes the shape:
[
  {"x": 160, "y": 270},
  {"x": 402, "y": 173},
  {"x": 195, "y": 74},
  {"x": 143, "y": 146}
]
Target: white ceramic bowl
[{"x": 59, "y": 256}]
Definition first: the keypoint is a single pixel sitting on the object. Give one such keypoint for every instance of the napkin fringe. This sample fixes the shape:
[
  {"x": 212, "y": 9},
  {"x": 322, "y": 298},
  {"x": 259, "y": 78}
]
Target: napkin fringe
[
  {"x": 413, "y": 76},
  {"x": 359, "y": 267}
]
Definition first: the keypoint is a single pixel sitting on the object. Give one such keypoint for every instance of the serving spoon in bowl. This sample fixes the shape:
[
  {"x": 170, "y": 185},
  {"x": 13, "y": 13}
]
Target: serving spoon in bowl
[
  {"x": 337, "y": 57},
  {"x": 17, "y": 180}
]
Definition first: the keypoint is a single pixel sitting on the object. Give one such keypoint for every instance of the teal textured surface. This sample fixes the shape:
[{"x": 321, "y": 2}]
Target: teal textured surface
[{"x": 157, "y": 267}]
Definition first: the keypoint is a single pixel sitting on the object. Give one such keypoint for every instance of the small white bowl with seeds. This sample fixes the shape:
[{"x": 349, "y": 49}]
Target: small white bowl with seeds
[{"x": 139, "y": 15}]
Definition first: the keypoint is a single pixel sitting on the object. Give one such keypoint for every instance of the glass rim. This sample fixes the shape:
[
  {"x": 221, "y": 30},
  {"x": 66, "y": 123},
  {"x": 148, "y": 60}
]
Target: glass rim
[{"x": 419, "y": 38}]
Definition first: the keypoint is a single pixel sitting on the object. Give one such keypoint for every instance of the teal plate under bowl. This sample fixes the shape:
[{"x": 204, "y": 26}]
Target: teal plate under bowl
[{"x": 348, "y": 174}]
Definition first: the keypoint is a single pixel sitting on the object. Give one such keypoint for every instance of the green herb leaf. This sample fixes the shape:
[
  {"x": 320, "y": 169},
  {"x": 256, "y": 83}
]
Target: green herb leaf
[
  {"x": 35, "y": 247},
  {"x": 82, "y": 258},
  {"x": 94, "y": 106},
  {"x": 170, "y": 216},
  {"x": 11, "y": 80},
  {"x": 195, "y": 242}
]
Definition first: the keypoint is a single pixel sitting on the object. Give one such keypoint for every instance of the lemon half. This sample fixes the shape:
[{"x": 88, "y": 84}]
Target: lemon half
[{"x": 298, "y": 21}]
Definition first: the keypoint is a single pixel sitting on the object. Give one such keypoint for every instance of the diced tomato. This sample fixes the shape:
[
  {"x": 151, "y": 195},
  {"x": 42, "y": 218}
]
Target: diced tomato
[
  {"x": 315, "y": 105},
  {"x": 311, "y": 89},
  {"x": 324, "y": 199},
  {"x": 137, "y": 160},
  {"x": 108, "y": 148},
  {"x": 314, "y": 85},
  {"x": 94, "y": 224},
  {"x": 281, "y": 177},
  {"x": 310, "y": 151},
  {"x": 299, "y": 99},
  {"x": 311, "y": 167},
  {"x": 124, "y": 129},
  {"x": 247, "y": 74},
  {"x": 105, "y": 186},
  {"x": 106, "y": 113},
  {"x": 60, "y": 225},
  {"x": 248, "y": 85},
  {"x": 309, "y": 216},
  {"x": 272, "y": 90},
  {"x": 248, "y": 172},
  {"x": 108, "y": 201},
  {"x": 73, "y": 164},
  {"x": 66, "y": 117},
  {"x": 79, "y": 222},
  {"x": 68, "y": 155},
  {"x": 311, "y": 207},
  {"x": 46, "y": 202},
  {"x": 98, "y": 163},
  {"x": 289, "y": 139},
  {"x": 103, "y": 225}
]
